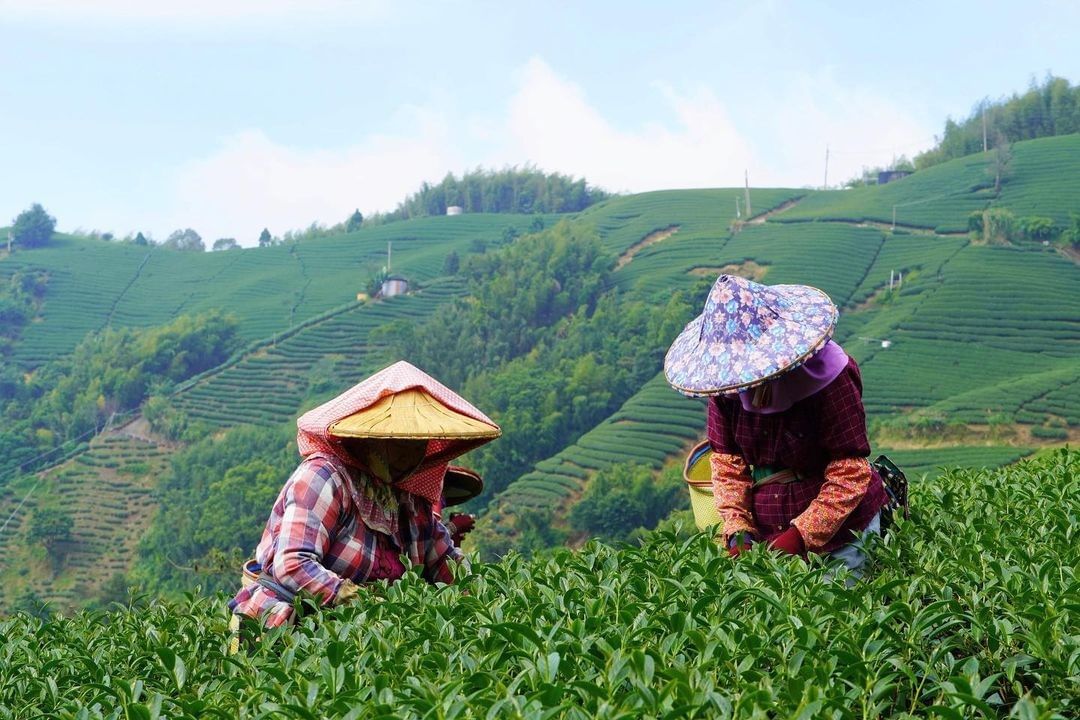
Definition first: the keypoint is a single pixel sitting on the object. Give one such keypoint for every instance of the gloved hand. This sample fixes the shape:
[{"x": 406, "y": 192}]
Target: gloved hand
[
  {"x": 740, "y": 543},
  {"x": 348, "y": 591},
  {"x": 790, "y": 541},
  {"x": 459, "y": 526}
]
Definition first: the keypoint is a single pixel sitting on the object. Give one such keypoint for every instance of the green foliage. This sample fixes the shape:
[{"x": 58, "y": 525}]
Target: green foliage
[
  {"x": 1052, "y": 108},
  {"x": 958, "y": 617},
  {"x": 516, "y": 293},
  {"x": 187, "y": 240},
  {"x": 214, "y": 499},
  {"x": 226, "y": 244},
  {"x": 452, "y": 264},
  {"x": 511, "y": 190},
  {"x": 624, "y": 498},
  {"x": 20, "y": 300},
  {"x": 109, "y": 372},
  {"x": 1071, "y": 234},
  {"x": 999, "y": 226},
  {"x": 265, "y": 240},
  {"x": 1038, "y": 228},
  {"x": 51, "y": 527},
  {"x": 355, "y": 221},
  {"x": 33, "y": 227}
]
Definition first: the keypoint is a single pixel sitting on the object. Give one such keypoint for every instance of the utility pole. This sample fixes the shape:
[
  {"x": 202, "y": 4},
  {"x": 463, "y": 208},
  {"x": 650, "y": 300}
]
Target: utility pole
[
  {"x": 984, "y": 125},
  {"x": 894, "y": 218},
  {"x": 749, "y": 213},
  {"x": 389, "y": 245},
  {"x": 737, "y": 213},
  {"x": 825, "y": 185}
]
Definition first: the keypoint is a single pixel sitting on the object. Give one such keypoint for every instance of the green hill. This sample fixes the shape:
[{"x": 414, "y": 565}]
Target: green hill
[
  {"x": 967, "y": 611},
  {"x": 978, "y": 369},
  {"x": 93, "y": 284}
]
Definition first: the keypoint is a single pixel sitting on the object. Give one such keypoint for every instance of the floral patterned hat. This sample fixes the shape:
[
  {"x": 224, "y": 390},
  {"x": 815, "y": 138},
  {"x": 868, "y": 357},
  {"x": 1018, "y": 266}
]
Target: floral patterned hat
[{"x": 748, "y": 333}]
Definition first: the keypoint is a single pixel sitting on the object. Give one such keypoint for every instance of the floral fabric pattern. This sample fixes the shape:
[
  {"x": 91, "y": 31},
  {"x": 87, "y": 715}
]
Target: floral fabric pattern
[{"x": 748, "y": 333}]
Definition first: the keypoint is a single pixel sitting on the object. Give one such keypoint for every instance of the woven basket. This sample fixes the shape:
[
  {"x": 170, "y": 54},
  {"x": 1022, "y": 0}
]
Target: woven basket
[{"x": 698, "y": 475}]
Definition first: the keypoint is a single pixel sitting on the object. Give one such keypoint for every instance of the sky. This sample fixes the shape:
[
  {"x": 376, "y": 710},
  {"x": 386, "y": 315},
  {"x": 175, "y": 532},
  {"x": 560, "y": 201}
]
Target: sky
[{"x": 228, "y": 116}]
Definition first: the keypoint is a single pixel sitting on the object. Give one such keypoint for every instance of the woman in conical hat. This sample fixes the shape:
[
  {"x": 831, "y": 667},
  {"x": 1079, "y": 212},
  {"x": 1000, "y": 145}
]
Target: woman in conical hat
[
  {"x": 786, "y": 422},
  {"x": 373, "y": 467}
]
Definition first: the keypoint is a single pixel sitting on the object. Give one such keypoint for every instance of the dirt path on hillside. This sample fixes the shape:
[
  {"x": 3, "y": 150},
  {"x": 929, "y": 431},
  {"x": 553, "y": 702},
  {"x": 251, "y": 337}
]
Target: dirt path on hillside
[
  {"x": 650, "y": 239},
  {"x": 764, "y": 217}
]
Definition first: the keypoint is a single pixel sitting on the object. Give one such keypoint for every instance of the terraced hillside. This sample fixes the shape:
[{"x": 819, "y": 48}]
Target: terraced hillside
[
  {"x": 979, "y": 367},
  {"x": 1041, "y": 180},
  {"x": 93, "y": 284},
  {"x": 268, "y": 386},
  {"x": 108, "y": 493},
  {"x": 700, "y": 220}
]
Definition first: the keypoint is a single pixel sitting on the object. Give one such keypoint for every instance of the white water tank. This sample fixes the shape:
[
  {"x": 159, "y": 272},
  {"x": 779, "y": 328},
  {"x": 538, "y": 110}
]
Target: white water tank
[{"x": 454, "y": 210}]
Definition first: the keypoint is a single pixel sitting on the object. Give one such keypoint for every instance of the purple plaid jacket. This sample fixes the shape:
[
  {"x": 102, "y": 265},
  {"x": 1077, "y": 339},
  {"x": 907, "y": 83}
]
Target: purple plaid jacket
[{"x": 821, "y": 435}]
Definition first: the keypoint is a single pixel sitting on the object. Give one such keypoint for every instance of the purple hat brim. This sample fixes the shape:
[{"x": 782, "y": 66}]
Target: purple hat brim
[{"x": 698, "y": 365}]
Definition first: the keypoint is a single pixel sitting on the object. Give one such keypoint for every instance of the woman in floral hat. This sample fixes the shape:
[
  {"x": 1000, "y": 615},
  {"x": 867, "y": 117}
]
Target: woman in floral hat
[
  {"x": 363, "y": 496},
  {"x": 786, "y": 423}
]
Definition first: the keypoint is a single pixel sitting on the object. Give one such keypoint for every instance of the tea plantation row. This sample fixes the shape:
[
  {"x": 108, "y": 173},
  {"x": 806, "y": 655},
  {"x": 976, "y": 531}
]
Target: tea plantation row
[{"x": 968, "y": 610}]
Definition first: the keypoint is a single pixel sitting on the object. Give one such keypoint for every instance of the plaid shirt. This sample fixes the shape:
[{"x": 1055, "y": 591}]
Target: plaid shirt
[
  {"x": 823, "y": 439},
  {"x": 317, "y": 537}
]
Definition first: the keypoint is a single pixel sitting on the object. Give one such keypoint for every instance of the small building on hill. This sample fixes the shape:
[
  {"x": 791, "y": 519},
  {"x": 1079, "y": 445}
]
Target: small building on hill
[
  {"x": 394, "y": 285},
  {"x": 454, "y": 210},
  {"x": 887, "y": 176}
]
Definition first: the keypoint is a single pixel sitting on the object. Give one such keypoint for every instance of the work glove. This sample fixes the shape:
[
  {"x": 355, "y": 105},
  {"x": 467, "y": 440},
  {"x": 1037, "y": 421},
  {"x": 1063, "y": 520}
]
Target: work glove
[
  {"x": 459, "y": 526},
  {"x": 348, "y": 592},
  {"x": 790, "y": 541}
]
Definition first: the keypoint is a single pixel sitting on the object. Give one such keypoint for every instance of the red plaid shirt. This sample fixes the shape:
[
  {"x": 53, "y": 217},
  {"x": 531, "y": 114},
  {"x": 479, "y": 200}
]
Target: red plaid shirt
[
  {"x": 823, "y": 439},
  {"x": 316, "y": 538}
]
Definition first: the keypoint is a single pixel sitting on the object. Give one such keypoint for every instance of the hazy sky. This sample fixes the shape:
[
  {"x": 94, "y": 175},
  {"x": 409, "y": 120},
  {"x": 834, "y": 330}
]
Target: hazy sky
[{"x": 231, "y": 115}]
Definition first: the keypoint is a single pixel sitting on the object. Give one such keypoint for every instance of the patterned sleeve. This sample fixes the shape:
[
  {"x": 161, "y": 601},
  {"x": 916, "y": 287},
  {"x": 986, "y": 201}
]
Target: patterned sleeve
[
  {"x": 313, "y": 504},
  {"x": 731, "y": 482},
  {"x": 440, "y": 549},
  {"x": 846, "y": 482},
  {"x": 732, "y": 493}
]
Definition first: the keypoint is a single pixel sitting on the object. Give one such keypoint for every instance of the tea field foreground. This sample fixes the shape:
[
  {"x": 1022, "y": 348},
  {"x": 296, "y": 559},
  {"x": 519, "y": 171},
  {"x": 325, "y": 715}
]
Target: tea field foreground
[{"x": 971, "y": 609}]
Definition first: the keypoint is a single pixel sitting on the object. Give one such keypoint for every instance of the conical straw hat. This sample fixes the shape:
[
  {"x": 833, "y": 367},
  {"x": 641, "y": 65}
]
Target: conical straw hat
[
  {"x": 411, "y": 413},
  {"x": 748, "y": 334}
]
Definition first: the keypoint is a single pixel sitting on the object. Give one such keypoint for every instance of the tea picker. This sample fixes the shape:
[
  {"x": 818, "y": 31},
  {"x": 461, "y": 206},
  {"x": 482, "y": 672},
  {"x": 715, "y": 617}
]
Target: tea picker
[{"x": 786, "y": 461}]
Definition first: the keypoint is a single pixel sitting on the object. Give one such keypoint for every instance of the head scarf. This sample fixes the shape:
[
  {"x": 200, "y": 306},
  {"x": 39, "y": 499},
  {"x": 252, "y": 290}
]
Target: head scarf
[{"x": 798, "y": 384}]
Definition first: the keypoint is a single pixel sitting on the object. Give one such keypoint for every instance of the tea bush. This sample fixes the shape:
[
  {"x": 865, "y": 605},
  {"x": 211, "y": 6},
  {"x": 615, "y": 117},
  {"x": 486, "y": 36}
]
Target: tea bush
[{"x": 969, "y": 610}]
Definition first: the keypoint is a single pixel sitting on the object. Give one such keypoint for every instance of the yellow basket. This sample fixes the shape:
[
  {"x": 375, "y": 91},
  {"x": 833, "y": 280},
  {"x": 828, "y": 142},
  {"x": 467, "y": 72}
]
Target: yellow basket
[{"x": 698, "y": 475}]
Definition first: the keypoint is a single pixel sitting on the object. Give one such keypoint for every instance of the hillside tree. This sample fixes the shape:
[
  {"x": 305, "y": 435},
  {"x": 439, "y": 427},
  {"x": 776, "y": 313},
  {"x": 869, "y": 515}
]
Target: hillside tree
[
  {"x": 354, "y": 222},
  {"x": 186, "y": 240},
  {"x": 33, "y": 227},
  {"x": 51, "y": 527},
  {"x": 265, "y": 240},
  {"x": 226, "y": 244}
]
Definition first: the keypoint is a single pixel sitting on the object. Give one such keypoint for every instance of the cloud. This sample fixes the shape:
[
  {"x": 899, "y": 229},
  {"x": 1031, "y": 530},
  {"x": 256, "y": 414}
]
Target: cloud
[
  {"x": 860, "y": 126},
  {"x": 251, "y": 182},
  {"x": 551, "y": 123}
]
